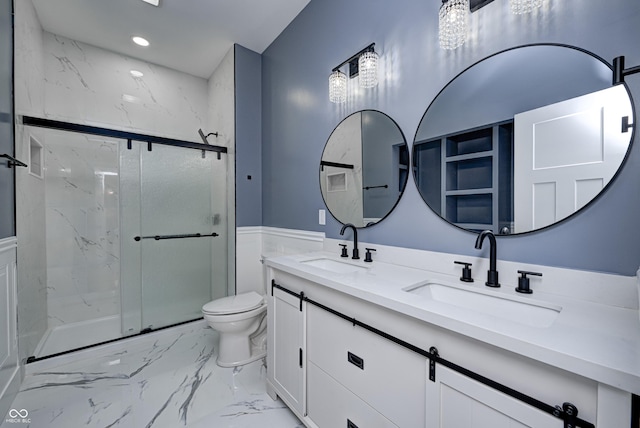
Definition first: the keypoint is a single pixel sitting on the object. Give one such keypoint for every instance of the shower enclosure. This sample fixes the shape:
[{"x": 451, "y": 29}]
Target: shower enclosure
[{"x": 136, "y": 232}]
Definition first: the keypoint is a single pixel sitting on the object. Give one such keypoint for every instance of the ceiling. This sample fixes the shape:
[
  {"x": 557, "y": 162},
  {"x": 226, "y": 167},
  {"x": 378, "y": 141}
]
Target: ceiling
[{"x": 191, "y": 36}]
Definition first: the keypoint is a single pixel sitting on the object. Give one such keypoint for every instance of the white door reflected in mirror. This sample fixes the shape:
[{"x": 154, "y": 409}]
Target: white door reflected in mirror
[{"x": 565, "y": 153}]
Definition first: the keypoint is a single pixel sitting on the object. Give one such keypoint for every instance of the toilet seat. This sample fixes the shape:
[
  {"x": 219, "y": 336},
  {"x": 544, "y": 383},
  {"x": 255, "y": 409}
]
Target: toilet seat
[{"x": 239, "y": 303}]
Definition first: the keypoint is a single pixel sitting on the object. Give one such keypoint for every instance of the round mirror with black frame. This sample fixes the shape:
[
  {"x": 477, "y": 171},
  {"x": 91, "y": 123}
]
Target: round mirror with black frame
[
  {"x": 522, "y": 139},
  {"x": 364, "y": 168}
]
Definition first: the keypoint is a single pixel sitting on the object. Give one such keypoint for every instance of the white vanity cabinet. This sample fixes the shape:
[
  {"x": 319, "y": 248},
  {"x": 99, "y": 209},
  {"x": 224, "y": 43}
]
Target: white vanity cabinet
[
  {"x": 285, "y": 353},
  {"x": 455, "y": 401},
  {"x": 331, "y": 404},
  {"x": 344, "y": 358},
  {"x": 376, "y": 379}
]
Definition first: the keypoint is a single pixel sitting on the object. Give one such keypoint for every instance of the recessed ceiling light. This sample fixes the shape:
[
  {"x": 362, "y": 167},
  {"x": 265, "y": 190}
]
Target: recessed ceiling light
[
  {"x": 136, "y": 73},
  {"x": 140, "y": 41},
  {"x": 153, "y": 2}
]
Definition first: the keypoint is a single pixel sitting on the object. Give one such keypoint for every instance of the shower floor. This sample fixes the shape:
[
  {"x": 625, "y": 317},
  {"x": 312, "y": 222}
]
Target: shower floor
[
  {"x": 77, "y": 335},
  {"x": 163, "y": 379}
]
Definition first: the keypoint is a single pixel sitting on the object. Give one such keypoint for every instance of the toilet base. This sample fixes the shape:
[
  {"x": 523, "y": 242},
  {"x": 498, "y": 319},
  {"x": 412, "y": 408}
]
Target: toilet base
[{"x": 257, "y": 352}]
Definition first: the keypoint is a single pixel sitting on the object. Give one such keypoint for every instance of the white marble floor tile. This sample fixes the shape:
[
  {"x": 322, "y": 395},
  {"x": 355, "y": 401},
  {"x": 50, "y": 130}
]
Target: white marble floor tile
[{"x": 165, "y": 379}]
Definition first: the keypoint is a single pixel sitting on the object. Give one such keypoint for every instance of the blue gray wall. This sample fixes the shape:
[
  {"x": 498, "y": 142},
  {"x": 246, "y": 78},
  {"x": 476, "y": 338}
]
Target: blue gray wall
[
  {"x": 7, "y": 177},
  {"x": 248, "y": 87},
  {"x": 298, "y": 117},
  {"x": 511, "y": 82}
]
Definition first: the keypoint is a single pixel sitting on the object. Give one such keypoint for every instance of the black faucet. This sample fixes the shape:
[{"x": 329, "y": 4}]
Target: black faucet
[
  {"x": 492, "y": 273},
  {"x": 356, "y": 253}
]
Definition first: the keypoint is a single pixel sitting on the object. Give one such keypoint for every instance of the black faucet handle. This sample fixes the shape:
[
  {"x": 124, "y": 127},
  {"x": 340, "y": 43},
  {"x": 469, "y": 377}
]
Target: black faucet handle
[
  {"x": 466, "y": 271},
  {"x": 367, "y": 256},
  {"x": 523, "y": 281},
  {"x": 344, "y": 250}
]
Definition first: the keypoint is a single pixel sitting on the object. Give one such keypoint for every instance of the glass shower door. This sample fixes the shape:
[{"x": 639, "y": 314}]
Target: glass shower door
[{"x": 181, "y": 224}]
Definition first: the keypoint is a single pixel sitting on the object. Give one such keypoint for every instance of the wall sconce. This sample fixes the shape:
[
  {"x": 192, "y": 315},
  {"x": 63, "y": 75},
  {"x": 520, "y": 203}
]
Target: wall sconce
[
  {"x": 454, "y": 14},
  {"x": 363, "y": 64},
  {"x": 337, "y": 87},
  {"x": 519, "y": 7},
  {"x": 368, "y": 69},
  {"x": 453, "y": 23}
]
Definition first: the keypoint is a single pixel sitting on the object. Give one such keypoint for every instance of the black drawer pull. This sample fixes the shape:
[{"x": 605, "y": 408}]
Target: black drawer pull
[
  {"x": 351, "y": 424},
  {"x": 355, "y": 360}
]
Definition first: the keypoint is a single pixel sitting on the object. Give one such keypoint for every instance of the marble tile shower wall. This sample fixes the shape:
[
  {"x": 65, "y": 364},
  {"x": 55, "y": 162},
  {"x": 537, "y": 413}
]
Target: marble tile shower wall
[
  {"x": 28, "y": 61},
  {"x": 90, "y": 85},
  {"x": 30, "y": 219},
  {"x": 82, "y": 217},
  {"x": 32, "y": 269},
  {"x": 221, "y": 119}
]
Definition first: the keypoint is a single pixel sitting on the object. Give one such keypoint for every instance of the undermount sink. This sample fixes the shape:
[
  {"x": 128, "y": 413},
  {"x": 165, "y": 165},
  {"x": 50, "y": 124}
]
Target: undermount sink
[
  {"x": 334, "y": 266},
  {"x": 532, "y": 313}
]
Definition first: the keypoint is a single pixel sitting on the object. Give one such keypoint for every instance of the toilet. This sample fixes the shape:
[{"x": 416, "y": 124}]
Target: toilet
[{"x": 242, "y": 324}]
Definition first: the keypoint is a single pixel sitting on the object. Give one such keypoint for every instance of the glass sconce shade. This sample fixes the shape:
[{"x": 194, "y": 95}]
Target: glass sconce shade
[
  {"x": 368, "y": 69},
  {"x": 524, "y": 6},
  {"x": 337, "y": 87},
  {"x": 453, "y": 19}
]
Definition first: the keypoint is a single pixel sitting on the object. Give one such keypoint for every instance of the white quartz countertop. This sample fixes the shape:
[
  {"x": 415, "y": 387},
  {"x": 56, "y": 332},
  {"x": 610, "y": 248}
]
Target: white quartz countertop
[{"x": 597, "y": 341}]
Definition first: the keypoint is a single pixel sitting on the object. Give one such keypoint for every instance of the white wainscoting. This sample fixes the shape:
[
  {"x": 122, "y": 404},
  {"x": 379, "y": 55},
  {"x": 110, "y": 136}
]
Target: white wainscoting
[
  {"x": 248, "y": 257},
  {"x": 253, "y": 244},
  {"x": 278, "y": 242},
  {"x": 9, "y": 364}
]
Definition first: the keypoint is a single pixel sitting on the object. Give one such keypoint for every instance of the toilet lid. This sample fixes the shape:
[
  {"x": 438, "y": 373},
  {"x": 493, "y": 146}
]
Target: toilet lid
[{"x": 234, "y": 304}]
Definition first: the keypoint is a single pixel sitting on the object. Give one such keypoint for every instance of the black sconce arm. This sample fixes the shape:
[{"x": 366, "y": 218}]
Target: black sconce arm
[
  {"x": 353, "y": 61},
  {"x": 619, "y": 72}
]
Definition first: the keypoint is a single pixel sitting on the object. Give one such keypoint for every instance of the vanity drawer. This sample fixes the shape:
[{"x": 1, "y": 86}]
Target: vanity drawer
[
  {"x": 370, "y": 366},
  {"x": 331, "y": 405}
]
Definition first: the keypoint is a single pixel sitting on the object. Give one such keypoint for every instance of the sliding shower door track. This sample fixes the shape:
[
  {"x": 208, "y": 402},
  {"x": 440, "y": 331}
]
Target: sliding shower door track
[
  {"x": 114, "y": 133},
  {"x": 34, "y": 359}
]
